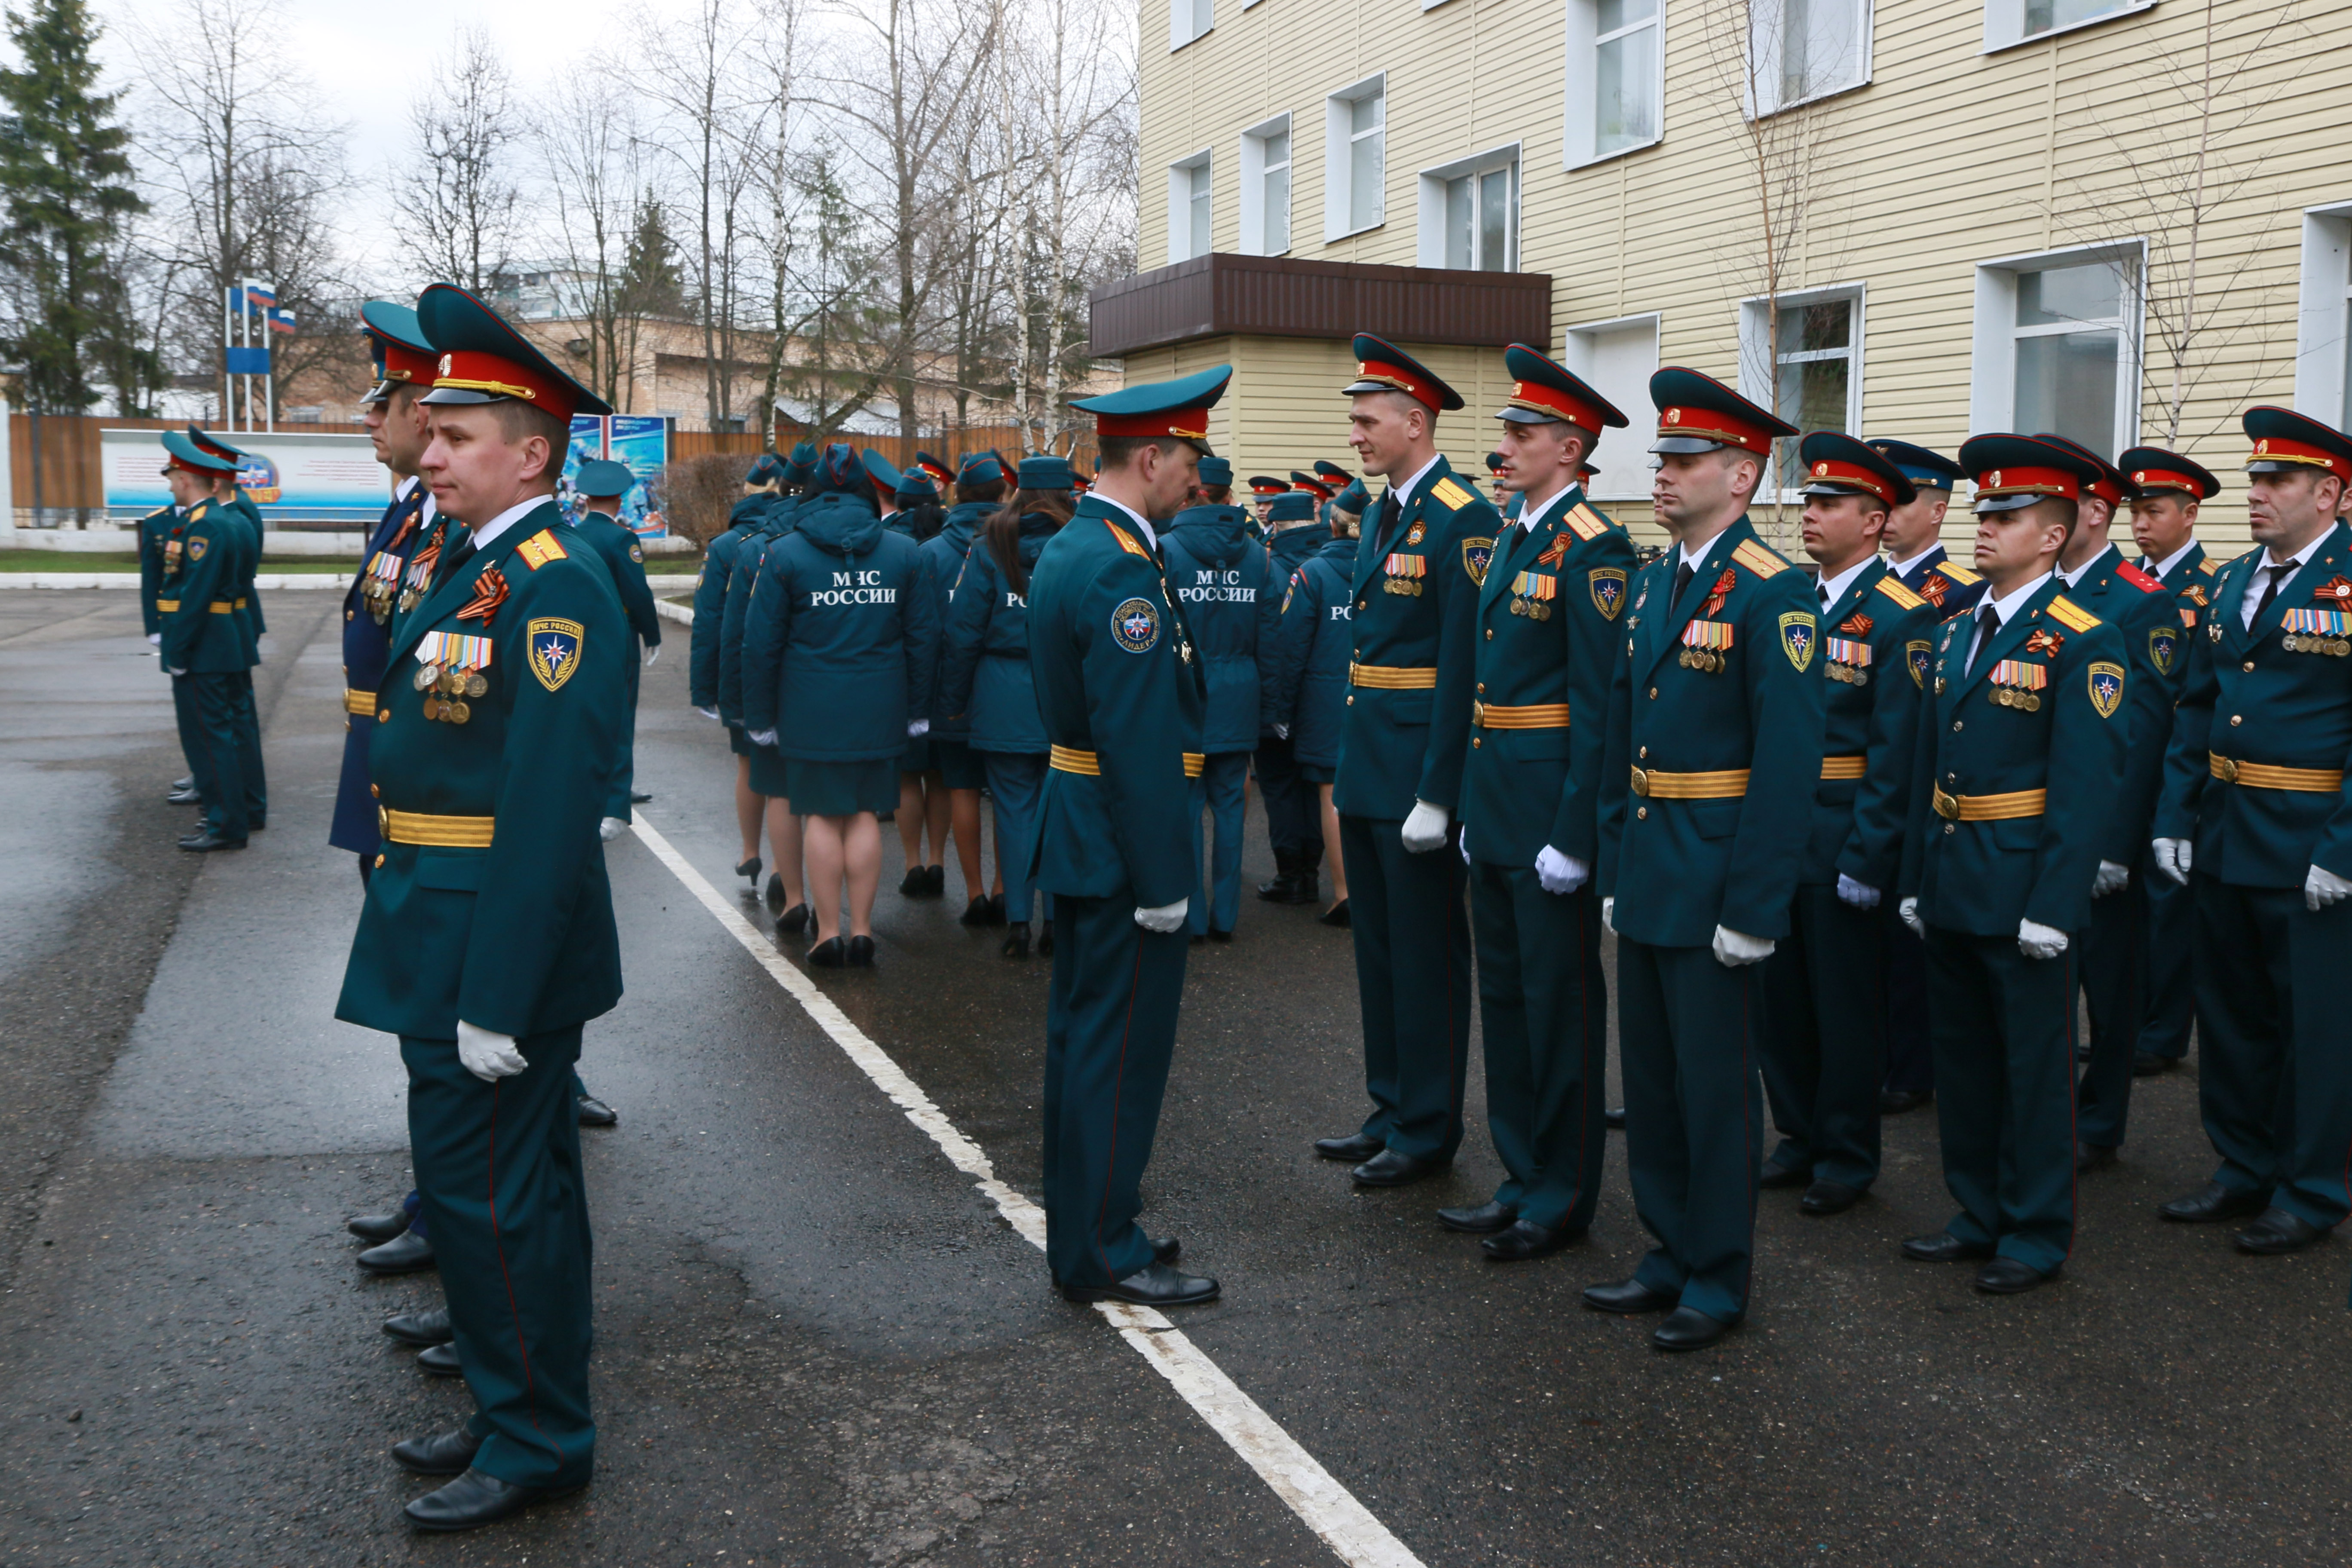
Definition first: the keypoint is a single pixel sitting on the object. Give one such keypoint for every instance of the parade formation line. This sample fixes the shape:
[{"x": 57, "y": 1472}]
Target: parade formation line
[{"x": 1325, "y": 1506}]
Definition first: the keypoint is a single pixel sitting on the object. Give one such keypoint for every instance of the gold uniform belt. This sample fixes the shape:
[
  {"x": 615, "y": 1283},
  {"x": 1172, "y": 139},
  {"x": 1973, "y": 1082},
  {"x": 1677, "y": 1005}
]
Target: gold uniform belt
[
  {"x": 1070, "y": 760},
  {"x": 358, "y": 702},
  {"x": 2262, "y": 776},
  {"x": 167, "y": 606},
  {"x": 1540, "y": 716},
  {"x": 437, "y": 832},
  {"x": 1728, "y": 785},
  {"x": 1843, "y": 767},
  {"x": 2006, "y": 807},
  {"x": 1394, "y": 677}
]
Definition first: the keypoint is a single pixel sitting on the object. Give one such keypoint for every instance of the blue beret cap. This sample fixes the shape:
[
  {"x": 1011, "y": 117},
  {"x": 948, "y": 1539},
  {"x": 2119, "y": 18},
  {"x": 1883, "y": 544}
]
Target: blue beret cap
[
  {"x": 1290, "y": 505},
  {"x": 1353, "y": 499},
  {"x": 1217, "y": 472},
  {"x": 915, "y": 488},
  {"x": 1046, "y": 473},
  {"x": 603, "y": 477}
]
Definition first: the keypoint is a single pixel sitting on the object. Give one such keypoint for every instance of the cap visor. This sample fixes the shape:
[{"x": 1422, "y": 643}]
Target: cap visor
[
  {"x": 1685, "y": 446},
  {"x": 2006, "y": 503},
  {"x": 459, "y": 395},
  {"x": 1528, "y": 416},
  {"x": 1830, "y": 488}
]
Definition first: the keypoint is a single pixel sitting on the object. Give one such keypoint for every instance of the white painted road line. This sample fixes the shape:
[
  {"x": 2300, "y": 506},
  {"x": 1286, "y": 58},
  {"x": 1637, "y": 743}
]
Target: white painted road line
[{"x": 1325, "y": 1506}]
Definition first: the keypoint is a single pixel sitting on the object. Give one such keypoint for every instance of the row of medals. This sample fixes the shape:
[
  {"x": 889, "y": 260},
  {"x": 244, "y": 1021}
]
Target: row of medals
[
  {"x": 2013, "y": 696},
  {"x": 1852, "y": 674},
  {"x": 380, "y": 605},
  {"x": 1703, "y": 659},
  {"x": 2305, "y": 642},
  {"x": 445, "y": 691},
  {"x": 1534, "y": 609},
  {"x": 1403, "y": 585}
]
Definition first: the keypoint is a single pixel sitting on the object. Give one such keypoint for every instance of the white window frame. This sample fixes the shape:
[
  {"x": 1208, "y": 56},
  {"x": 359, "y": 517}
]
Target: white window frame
[
  {"x": 1182, "y": 15},
  {"x": 2004, "y": 23},
  {"x": 1622, "y": 456},
  {"x": 1339, "y": 158},
  {"x": 1760, "y": 361},
  {"x": 1180, "y": 205},
  {"x": 2323, "y": 315},
  {"x": 1992, "y": 359},
  {"x": 1429, "y": 239},
  {"x": 1254, "y": 226},
  {"x": 1580, "y": 146},
  {"x": 1764, "y": 44}
]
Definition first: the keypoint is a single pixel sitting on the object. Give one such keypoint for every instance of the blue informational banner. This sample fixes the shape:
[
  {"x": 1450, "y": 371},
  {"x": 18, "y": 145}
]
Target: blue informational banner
[
  {"x": 638, "y": 441},
  {"x": 248, "y": 361},
  {"x": 314, "y": 477}
]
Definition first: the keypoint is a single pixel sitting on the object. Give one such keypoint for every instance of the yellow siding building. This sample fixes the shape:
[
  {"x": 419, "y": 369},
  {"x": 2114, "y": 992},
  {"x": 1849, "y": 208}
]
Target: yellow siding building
[{"x": 2115, "y": 221}]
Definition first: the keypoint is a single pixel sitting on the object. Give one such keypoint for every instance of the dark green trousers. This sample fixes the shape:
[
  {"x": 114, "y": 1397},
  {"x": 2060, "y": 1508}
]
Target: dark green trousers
[
  {"x": 2171, "y": 993},
  {"x": 220, "y": 777},
  {"x": 1412, "y": 980},
  {"x": 625, "y": 766},
  {"x": 1824, "y": 1043},
  {"x": 2273, "y": 1077},
  {"x": 248, "y": 752},
  {"x": 2115, "y": 993},
  {"x": 191, "y": 728},
  {"x": 1687, "y": 1033},
  {"x": 2005, "y": 1092},
  {"x": 499, "y": 1166},
  {"x": 1110, "y": 1032},
  {"x": 1543, "y": 1008}
]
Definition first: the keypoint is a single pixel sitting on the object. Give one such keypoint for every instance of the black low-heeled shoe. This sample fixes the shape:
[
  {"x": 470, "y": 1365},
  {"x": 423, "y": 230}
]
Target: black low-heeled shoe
[
  {"x": 861, "y": 953},
  {"x": 793, "y": 921},
  {"x": 830, "y": 954},
  {"x": 1337, "y": 915},
  {"x": 915, "y": 883},
  {"x": 936, "y": 876},
  {"x": 975, "y": 913},
  {"x": 749, "y": 868},
  {"x": 1045, "y": 939},
  {"x": 996, "y": 909},
  {"x": 1016, "y": 940}
]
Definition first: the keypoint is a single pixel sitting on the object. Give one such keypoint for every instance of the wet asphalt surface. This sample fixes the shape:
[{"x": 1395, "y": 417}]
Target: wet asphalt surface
[{"x": 816, "y": 1342}]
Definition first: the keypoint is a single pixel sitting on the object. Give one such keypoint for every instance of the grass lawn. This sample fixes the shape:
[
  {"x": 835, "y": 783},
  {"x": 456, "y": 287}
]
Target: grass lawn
[{"x": 127, "y": 561}]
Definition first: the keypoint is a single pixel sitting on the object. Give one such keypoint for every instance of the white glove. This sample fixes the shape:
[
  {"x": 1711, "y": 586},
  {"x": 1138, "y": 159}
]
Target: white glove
[
  {"x": 154, "y": 639},
  {"x": 169, "y": 670},
  {"x": 487, "y": 1056},
  {"x": 2321, "y": 889},
  {"x": 2111, "y": 879},
  {"x": 1561, "y": 873},
  {"x": 1609, "y": 913},
  {"x": 652, "y": 654},
  {"x": 1282, "y": 731},
  {"x": 611, "y": 827},
  {"x": 1907, "y": 912},
  {"x": 763, "y": 737},
  {"x": 2172, "y": 858},
  {"x": 1164, "y": 919},
  {"x": 1733, "y": 947},
  {"x": 918, "y": 727},
  {"x": 1464, "y": 842},
  {"x": 708, "y": 712},
  {"x": 2040, "y": 940},
  {"x": 1424, "y": 830},
  {"x": 1860, "y": 895}
]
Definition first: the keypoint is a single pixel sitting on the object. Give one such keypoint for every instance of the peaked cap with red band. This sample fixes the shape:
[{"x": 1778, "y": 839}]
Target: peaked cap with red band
[
  {"x": 2152, "y": 470},
  {"x": 1545, "y": 392},
  {"x": 206, "y": 441},
  {"x": 1838, "y": 465},
  {"x": 188, "y": 454},
  {"x": 1333, "y": 475},
  {"x": 397, "y": 344},
  {"x": 2109, "y": 487},
  {"x": 1698, "y": 413},
  {"x": 2013, "y": 472},
  {"x": 1315, "y": 485},
  {"x": 2285, "y": 441},
  {"x": 939, "y": 473},
  {"x": 1265, "y": 487},
  {"x": 484, "y": 360},
  {"x": 1381, "y": 366},
  {"x": 1158, "y": 408}
]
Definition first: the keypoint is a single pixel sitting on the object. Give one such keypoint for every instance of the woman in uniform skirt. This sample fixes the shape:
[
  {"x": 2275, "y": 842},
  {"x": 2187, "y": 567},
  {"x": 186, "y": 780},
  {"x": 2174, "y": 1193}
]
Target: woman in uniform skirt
[{"x": 1307, "y": 685}]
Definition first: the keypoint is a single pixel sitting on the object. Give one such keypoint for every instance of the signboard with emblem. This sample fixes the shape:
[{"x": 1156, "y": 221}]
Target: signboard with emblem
[
  {"x": 293, "y": 477},
  {"x": 639, "y": 442}
]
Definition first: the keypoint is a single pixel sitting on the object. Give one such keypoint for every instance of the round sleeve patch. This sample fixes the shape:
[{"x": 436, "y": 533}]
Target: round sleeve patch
[{"x": 1136, "y": 625}]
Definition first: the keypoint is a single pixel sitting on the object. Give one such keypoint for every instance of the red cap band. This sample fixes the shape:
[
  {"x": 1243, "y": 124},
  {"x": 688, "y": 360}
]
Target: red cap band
[
  {"x": 1268, "y": 489},
  {"x": 2029, "y": 482},
  {"x": 403, "y": 363},
  {"x": 470, "y": 370},
  {"x": 2165, "y": 480},
  {"x": 1539, "y": 398},
  {"x": 1709, "y": 424},
  {"x": 1851, "y": 474},
  {"x": 2275, "y": 450},
  {"x": 1403, "y": 380},
  {"x": 1185, "y": 423},
  {"x": 2104, "y": 489}
]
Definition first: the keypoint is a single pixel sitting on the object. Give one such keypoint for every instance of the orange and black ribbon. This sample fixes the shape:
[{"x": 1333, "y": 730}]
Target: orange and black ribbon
[
  {"x": 489, "y": 592},
  {"x": 1857, "y": 625},
  {"x": 2043, "y": 642},
  {"x": 1716, "y": 595},
  {"x": 2336, "y": 590}
]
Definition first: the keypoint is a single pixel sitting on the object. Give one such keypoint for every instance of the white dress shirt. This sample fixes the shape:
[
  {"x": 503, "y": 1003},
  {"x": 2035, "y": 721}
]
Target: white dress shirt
[
  {"x": 1141, "y": 522},
  {"x": 1832, "y": 589},
  {"x": 2256, "y": 586},
  {"x": 2002, "y": 609}
]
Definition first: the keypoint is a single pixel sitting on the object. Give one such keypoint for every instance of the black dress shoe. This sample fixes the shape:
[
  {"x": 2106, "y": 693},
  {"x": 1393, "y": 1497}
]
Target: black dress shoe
[
  {"x": 2008, "y": 1276},
  {"x": 914, "y": 884},
  {"x": 2089, "y": 1157},
  {"x": 2211, "y": 1201},
  {"x": 1895, "y": 1101},
  {"x": 1485, "y": 1219},
  {"x": 2275, "y": 1230},
  {"x": 861, "y": 953},
  {"x": 1216, "y": 935},
  {"x": 996, "y": 909},
  {"x": 1627, "y": 1297},
  {"x": 1776, "y": 1175},
  {"x": 1278, "y": 891},
  {"x": 1356, "y": 1147},
  {"x": 1390, "y": 1168},
  {"x": 1688, "y": 1329},
  {"x": 1527, "y": 1240},
  {"x": 1943, "y": 1246},
  {"x": 443, "y": 1454},
  {"x": 830, "y": 954},
  {"x": 1337, "y": 915},
  {"x": 749, "y": 868},
  {"x": 404, "y": 1253},
  {"x": 975, "y": 913},
  {"x": 935, "y": 881},
  {"x": 1153, "y": 1285},
  {"x": 421, "y": 1329},
  {"x": 440, "y": 1360},
  {"x": 777, "y": 893},
  {"x": 2148, "y": 1064},
  {"x": 1165, "y": 1248},
  {"x": 1827, "y": 1197},
  {"x": 595, "y": 1113},
  {"x": 1016, "y": 940},
  {"x": 188, "y": 796},
  {"x": 1614, "y": 1120},
  {"x": 1045, "y": 939},
  {"x": 639, "y": 796},
  {"x": 205, "y": 843},
  {"x": 378, "y": 1227},
  {"x": 474, "y": 1500},
  {"x": 1300, "y": 890},
  {"x": 793, "y": 921}
]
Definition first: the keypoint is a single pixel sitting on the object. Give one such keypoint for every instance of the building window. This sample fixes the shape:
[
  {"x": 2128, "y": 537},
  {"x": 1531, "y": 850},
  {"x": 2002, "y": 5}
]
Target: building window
[
  {"x": 1617, "y": 359},
  {"x": 2323, "y": 359},
  {"x": 1804, "y": 49},
  {"x": 1355, "y": 136},
  {"x": 1811, "y": 373},
  {"x": 1187, "y": 20},
  {"x": 1188, "y": 208},
  {"x": 1470, "y": 214},
  {"x": 1265, "y": 187},
  {"x": 2057, "y": 346},
  {"x": 2007, "y": 21},
  {"x": 1615, "y": 80}
]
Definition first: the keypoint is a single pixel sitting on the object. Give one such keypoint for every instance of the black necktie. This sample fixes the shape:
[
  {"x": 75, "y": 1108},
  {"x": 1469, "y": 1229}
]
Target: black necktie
[
  {"x": 1825, "y": 597},
  {"x": 1389, "y": 512},
  {"x": 1683, "y": 575},
  {"x": 1988, "y": 623},
  {"x": 461, "y": 553},
  {"x": 2278, "y": 579}
]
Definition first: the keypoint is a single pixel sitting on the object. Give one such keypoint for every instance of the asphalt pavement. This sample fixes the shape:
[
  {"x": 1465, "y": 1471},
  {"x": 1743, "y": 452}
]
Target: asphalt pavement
[{"x": 819, "y": 1344}]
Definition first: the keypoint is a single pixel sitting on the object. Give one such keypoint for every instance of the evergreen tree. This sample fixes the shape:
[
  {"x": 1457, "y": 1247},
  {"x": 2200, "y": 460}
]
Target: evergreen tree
[
  {"x": 65, "y": 191},
  {"x": 649, "y": 280}
]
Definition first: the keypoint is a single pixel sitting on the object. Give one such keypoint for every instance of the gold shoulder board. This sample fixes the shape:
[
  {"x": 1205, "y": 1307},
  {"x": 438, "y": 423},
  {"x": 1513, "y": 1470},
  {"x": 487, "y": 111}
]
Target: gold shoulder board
[
  {"x": 1892, "y": 587},
  {"x": 1453, "y": 495},
  {"x": 2072, "y": 616},
  {"x": 1958, "y": 573},
  {"x": 2210, "y": 565},
  {"x": 1587, "y": 523},
  {"x": 1126, "y": 542},
  {"x": 1760, "y": 558},
  {"x": 540, "y": 549}
]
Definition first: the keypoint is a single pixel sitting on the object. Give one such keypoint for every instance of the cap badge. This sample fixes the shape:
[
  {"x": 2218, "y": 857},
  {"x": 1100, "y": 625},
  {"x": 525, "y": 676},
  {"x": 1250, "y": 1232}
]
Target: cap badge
[
  {"x": 1820, "y": 469},
  {"x": 445, "y": 364},
  {"x": 2260, "y": 446},
  {"x": 1673, "y": 416}
]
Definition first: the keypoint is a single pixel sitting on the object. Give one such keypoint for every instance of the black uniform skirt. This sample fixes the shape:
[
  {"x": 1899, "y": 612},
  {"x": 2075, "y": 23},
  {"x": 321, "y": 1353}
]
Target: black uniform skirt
[
  {"x": 736, "y": 742},
  {"x": 841, "y": 789},
  {"x": 768, "y": 772}
]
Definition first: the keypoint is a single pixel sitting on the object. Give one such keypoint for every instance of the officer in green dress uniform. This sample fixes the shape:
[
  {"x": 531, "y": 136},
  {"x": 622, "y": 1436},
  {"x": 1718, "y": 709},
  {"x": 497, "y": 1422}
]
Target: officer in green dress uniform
[
  {"x": 1824, "y": 1043},
  {"x": 1419, "y": 564},
  {"x": 205, "y": 644},
  {"x": 1548, "y": 611},
  {"x": 1714, "y": 750},
  {"x": 159, "y": 561},
  {"x": 601, "y": 484},
  {"x": 2166, "y": 489},
  {"x": 235, "y": 501},
  {"x": 487, "y": 939},
  {"x": 1120, "y": 690},
  {"x": 2254, "y": 815},
  {"x": 2020, "y": 752}
]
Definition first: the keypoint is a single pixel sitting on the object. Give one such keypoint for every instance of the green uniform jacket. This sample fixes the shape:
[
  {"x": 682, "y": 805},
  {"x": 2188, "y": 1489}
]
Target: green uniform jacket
[
  {"x": 1116, "y": 677},
  {"x": 624, "y": 558},
  {"x": 154, "y": 532},
  {"x": 1416, "y": 609},
  {"x": 1547, "y": 632},
  {"x": 202, "y": 632},
  {"x": 1679, "y": 868},
  {"x": 2139, "y": 609},
  {"x": 1984, "y": 877},
  {"x": 1859, "y": 824},
  {"x": 250, "y": 515},
  {"x": 516, "y": 937}
]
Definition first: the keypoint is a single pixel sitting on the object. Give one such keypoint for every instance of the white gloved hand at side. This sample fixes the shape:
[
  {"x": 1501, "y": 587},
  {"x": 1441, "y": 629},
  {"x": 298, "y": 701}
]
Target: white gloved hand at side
[
  {"x": 2037, "y": 940},
  {"x": 1164, "y": 919},
  {"x": 1561, "y": 873},
  {"x": 611, "y": 827},
  {"x": 1424, "y": 830},
  {"x": 2321, "y": 889},
  {"x": 1907, "y": 912},
  {"x": 918, "y": 727},
  {"x": 487, "y": 1056},
  {"x": 1609, "y": 913},
  {"x": 1282, "y": 731},
  {"x": 2111, "y": 879},
  {"x": 2172, "y": 858},
  {"x": 652, "y": 654},
  {"x": 1860, "y": 895},
  {"x": 1734, "y": 948},
  {"x": 708, "y": 712},
  {"x": 763, "y": 737},
  {"x": 154, "y": 639},
  {"x": 169, "y": 670},
  {"x": 1463, "y": 842}
]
